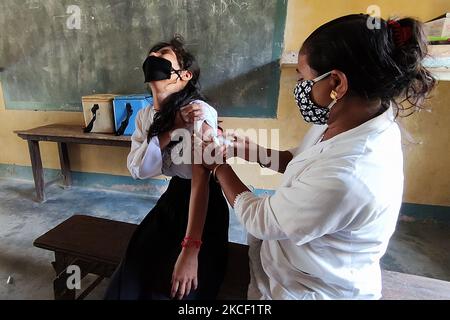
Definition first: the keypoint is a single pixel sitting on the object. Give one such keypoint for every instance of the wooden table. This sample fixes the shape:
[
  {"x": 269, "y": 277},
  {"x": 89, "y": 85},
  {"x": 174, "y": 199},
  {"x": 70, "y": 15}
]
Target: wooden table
[{"x": 63, "y": 135}]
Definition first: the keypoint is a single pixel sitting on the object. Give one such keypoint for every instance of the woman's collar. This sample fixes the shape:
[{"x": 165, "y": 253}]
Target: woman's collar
[{"x": 377, "y": 124}]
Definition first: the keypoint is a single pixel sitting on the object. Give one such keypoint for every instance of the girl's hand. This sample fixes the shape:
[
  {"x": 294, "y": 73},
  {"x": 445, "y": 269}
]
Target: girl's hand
[{"x": 184, "y": 277}]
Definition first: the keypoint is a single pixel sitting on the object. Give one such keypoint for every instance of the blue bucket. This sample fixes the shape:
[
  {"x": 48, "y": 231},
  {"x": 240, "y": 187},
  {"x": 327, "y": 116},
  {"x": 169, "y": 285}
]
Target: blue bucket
[{"x": 126, "y": 109}]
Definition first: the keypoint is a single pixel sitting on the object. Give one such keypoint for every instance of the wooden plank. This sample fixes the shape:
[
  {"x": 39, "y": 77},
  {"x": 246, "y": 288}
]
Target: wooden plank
[
  {"x": 289, "y": 59},
  {"x": 89, "y": 289},
  {"x": 69, "y": 131},
  {"x": 98, "y": 142},
  {"x": 89, "y": 238},
  {"x": 65, "y": 164},
  {"x": 72, "y": 134},
  {"x": 38, "y": 171}
]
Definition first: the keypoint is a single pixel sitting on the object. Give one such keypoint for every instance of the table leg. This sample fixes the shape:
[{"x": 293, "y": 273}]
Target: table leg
[
  {"x": 65, "y": 164},
  {"x": 60, "y": 289},
  {"x": 38, "y": 171}
]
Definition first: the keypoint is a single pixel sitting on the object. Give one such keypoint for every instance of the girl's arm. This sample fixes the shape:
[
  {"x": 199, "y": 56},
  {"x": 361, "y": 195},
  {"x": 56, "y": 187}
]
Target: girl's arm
[
  {"x": 198, "y": 204},
  {"x": 184, "y": 277},
  {"x": 144, "y": 160}
]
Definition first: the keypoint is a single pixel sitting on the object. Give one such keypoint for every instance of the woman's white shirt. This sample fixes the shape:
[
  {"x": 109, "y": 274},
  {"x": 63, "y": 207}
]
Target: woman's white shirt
[
  {"x": 324, "y": 231},
  {"x": 146, "y": 160}
]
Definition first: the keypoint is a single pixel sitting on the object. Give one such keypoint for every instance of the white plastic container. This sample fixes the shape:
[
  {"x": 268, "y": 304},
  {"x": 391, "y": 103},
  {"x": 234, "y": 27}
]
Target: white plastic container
[
  {"x": 99, "y": 113},
  {"x": 439, "y": 28}
]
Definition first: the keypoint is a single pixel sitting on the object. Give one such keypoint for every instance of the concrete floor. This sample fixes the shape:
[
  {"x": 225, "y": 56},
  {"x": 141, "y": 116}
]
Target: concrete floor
[{"x": 418, "y": 248}]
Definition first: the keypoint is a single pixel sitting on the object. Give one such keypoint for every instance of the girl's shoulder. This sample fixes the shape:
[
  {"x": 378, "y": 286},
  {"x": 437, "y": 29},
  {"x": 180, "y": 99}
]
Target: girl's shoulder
[
  {"x": 145, "y": 115},
  {"x": 145, "y": 112}
]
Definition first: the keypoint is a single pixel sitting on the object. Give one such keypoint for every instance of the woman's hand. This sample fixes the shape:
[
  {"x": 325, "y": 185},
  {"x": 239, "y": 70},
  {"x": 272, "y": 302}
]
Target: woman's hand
[
  {"x": 186, "y": 116},
  {"x": 184, "y": 277}
]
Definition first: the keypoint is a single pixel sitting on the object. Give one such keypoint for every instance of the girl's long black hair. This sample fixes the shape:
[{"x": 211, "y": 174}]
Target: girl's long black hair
[
  {"x": 376, "y": 63},
  {"x": 164, "y": 119}
]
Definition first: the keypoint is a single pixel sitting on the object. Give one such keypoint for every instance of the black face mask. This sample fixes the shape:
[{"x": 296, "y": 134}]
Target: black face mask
[{"x": 157, "y": 69}]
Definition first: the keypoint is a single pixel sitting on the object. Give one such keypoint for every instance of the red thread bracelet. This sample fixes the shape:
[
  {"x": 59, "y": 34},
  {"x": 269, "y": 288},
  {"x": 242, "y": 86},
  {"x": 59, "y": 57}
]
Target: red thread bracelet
[{"x": 189, "y": 243}]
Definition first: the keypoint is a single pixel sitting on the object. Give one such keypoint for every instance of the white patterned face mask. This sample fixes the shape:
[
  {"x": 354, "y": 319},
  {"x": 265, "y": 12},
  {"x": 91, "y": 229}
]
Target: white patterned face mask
[{"x": 311, "y": 112}]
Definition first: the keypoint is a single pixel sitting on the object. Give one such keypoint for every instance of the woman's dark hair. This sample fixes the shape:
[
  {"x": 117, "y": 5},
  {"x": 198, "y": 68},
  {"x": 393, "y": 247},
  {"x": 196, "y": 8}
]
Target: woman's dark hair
[
  {"x": 380, "y": 63},
  {"x": 164, "y": 120}
]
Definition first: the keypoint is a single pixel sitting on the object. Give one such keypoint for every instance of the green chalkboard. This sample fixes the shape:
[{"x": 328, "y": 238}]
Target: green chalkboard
[{"x": 55, "y": 51}]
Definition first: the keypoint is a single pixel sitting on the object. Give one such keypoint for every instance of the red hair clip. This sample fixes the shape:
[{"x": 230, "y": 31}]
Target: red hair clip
[{"x": 402, "y": 35}]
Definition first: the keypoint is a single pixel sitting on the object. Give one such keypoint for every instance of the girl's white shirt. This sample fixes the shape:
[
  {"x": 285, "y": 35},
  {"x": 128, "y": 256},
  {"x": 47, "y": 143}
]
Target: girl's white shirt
[{"x": 146, "y": 160}]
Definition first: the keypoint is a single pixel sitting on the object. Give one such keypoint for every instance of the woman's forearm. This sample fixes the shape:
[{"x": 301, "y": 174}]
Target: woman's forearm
[
  {"x": 274, "y": 159},
  {"x": 231, "y": 185}
]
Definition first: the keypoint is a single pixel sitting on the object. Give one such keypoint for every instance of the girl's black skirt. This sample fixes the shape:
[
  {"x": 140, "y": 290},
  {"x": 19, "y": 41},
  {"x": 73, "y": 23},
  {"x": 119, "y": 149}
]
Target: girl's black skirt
[{"x": 146, "y": 271}]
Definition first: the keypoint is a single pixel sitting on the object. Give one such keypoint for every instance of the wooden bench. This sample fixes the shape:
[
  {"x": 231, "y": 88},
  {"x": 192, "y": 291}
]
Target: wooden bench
[
  {"x": 97, "y": 246},
  {"x": 63, "y": 135}
]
